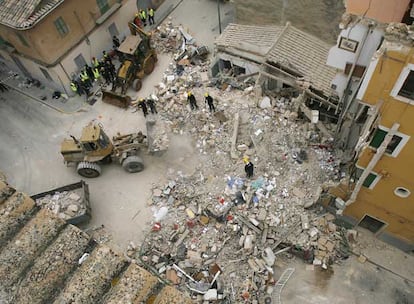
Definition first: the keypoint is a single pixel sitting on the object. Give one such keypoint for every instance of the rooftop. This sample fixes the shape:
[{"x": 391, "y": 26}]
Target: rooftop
[
  {"x": 304, "y": 54},
  {"x": 248, "y": 38},
  {"x": 283, "y": 45},
  {"x": 23, "y": 14}
]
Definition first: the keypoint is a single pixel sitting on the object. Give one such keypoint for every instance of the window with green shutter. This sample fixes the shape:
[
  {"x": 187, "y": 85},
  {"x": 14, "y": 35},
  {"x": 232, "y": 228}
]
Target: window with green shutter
[
  {"x": 61, "y": 26},
  {"x": 378, "y": 138},
  {"x": 103, "y": 6},
  {"x": 369, "y": 180}
]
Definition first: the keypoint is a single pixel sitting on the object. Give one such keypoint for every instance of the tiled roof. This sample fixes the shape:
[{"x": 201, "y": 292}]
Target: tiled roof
[
  {"x": 284, "y": 45},
  {"x": 22, "y": 14},
  {"x": 304, "y": 53},
  {"x": 258, "y": 39}
]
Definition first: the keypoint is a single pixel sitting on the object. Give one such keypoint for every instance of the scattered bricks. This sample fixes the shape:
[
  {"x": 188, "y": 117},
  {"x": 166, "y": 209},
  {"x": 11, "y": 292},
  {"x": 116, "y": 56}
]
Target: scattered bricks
[
  {"x": 322, "y": 241},
  {"x": 331, "y": 227},
  {"x": 135, "y": 286},
  {"x": 170, "y": 295},
  {"x": 330, "y": 246},
  {"x": 171, "y": 275},
  {"x": 52, "y": 268},
  {"x": 93, "y": 278},
  {"x": 194, "y": 256},
  {"x": 204, "y": 220},
  {"x": 13, "y": 214},
  {"x": 34, "y": 237}
]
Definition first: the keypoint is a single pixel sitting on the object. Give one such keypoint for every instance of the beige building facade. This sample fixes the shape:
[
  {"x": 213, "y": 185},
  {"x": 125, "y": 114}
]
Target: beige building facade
[{"x": 52, "y": 40}]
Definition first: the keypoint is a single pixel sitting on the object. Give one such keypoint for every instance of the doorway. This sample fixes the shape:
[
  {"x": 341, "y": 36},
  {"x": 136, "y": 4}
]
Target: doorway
[
  {"x": 372, "y": 224},
  {"x": 21, "y": 67}
]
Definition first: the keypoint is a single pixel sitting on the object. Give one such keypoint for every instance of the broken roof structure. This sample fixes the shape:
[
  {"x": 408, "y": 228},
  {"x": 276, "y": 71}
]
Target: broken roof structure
[
  {"x": 23, "y": 14},
  {"x": 299, "y": 54},
  {"x": 40, "y": 258}
]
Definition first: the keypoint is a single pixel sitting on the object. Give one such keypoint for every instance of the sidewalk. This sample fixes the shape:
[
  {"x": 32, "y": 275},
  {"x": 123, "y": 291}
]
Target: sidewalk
[{"x": 44, "y": 95}]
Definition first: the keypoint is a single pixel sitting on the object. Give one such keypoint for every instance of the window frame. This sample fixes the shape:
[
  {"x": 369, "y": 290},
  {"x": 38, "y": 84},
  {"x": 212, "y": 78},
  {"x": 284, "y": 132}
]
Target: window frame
[
  {"x": 46, "y": 74},
  {"x": 398, "y": 148},
  {"x": 103, "y": 6},
  {"x": 374, "y": 182},
  {"x": 61, "y": 26},
  {"x": 400, "y": 82}
]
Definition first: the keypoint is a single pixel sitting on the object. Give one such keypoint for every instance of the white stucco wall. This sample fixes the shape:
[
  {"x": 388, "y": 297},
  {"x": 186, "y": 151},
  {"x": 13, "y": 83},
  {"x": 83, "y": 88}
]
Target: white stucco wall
[{"x": 338, "y": 58}]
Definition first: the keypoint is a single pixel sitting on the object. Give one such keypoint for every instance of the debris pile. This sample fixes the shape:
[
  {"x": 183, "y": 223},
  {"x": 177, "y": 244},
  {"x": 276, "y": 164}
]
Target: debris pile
[
  {"x": 65, "y": 204},
  {"x": 52, "y": 268},
  {"x": 94, "y": 277},
  {"x": 216, "y": 233}
]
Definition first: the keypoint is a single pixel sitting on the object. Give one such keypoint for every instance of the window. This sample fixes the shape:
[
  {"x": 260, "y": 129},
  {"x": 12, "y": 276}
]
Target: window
[
  {"x": 407, "y": 89},
  {"x": 402, "y": 192},
  {"x": 103, "y": 6},
  {"x": 89, "y": 146},
  {"x": 403, "y": 89},
  {"x": 396, "y": 144},
  {"x": 370, "y": 181},
  {"x": 371, "y": 223},
  {"x": 80, "y": 61},
  {"x": 22, "y": 39},
  {"x": 46, "y": 74},
  {"x": 61, "y": 26}
]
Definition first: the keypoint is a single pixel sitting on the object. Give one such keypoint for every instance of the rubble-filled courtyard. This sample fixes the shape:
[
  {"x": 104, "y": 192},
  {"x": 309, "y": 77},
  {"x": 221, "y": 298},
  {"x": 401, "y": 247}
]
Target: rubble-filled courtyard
[{"x": 194, "y": 220}]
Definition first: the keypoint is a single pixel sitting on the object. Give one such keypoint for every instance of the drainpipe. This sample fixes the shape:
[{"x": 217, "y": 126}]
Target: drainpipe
[
  {"x": 348, "y": 85},
  {"x": 373, "y": 162}
]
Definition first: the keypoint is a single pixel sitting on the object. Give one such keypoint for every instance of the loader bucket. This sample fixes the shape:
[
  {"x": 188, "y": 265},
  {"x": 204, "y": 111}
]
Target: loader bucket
[{"x": 115, "y": 99}]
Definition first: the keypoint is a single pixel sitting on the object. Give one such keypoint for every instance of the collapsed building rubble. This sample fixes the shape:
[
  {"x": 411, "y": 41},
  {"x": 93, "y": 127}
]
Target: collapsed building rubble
[{"x": 215, "y": 233}]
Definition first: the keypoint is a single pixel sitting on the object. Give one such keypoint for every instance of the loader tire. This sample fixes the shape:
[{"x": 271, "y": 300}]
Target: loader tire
[
  {"x": 137, "y": 85},
  {"x": 149, "y": 65},
  {"x": 133, "y": 164},
  {"x": 89, "y": 170}
]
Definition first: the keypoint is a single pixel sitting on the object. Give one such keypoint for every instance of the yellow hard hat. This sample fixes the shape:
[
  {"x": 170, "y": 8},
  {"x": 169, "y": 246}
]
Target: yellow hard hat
[
  {"x": 136, "y": 15},
  {"x": 245, "y": 159},
  {"x": 189, "y": 93},
  {"x": 206, "y": 94},
  {"x": 141, "y": 99}
]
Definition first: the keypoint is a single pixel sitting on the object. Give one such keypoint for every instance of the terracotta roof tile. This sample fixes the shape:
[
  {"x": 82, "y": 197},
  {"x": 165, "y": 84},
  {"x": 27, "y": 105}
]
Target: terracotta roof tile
[{"x": 21, "y": 14}]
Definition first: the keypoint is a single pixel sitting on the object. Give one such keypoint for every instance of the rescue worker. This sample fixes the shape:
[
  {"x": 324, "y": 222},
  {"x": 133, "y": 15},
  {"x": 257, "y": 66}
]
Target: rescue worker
[
  {"x": 85, "y": 88},
  {"x": 89, "y": 71},
  {"x": 248, "y": 167},
  {"x": 151, "y": 104},
  {"x": 143, "y": 16},
  {"x": 116, "y": 42},
  {"x": 74, "y": 87},
  {"x": 209, "y": 100},
  {"x": 105, "y": 74},
  {"x": 192, "y": 100},
  {"x": 137, "y": 20},
  {"x": 143, "y": 106},
  {"x": 85, "y": 79},
  {"x": 95, "y": 62},
  {"x": 96, "y": 75},
  {"x": 151, "y": 16}
]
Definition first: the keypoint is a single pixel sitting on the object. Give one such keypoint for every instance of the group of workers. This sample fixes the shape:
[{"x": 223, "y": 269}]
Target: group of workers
[
  {"x": 145, "y": 103},
  {"x": 102, "y": 72},
  {"x": 207, "y": 99},
  {"x": 143, "y": 15}
]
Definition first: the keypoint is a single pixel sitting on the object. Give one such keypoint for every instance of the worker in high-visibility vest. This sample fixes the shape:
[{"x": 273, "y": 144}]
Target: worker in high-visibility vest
[
  {"x": 97, "y": 75},
  {"x": 74, "y": 87},
  {"x": 143, "y": 16},
  {"x": 151, "y": 16},
  {"x": 85, "y": 78},
  {"x": 95, "y": 62}
]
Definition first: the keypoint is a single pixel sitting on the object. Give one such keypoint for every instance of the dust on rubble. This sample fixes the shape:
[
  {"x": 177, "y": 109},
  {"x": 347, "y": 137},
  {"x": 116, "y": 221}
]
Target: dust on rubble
[{"x": 216, "y": 234}]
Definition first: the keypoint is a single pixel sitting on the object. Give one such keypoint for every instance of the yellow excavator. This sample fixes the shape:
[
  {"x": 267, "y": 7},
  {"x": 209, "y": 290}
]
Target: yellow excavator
[
  {"x": 94, "y": 148},
  {"x": 138, "y": 60}
]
